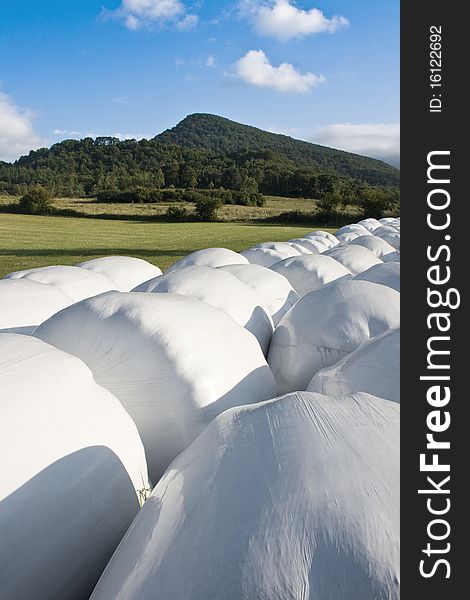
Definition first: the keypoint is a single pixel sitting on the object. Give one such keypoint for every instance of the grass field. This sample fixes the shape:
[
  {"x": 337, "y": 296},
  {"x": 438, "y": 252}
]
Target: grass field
[
  {"x": 30, "y": 241},
  {"x": 88, "y": 206}
]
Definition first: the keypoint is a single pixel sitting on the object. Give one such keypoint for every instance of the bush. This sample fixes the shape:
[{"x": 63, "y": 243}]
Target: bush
[
  {"x": 379, "y": 203},
  {"x": 293, "y": 216},
  {"x": 207, "y": 207},
  {"x": 177, "y": 213},
  {"x": 36, "y": 202}
]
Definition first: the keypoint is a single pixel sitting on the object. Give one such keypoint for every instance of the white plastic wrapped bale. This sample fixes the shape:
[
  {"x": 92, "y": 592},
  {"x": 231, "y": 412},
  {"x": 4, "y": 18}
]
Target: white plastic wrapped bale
[
  {"x": 387, "y": 220},
  {"x": 313, "y": 245},
  {"x": 353, "y": 228},
  {"x": 385, "y": 274},
  {"x": 24, "y": 304},
  {"x": 327, "y": 324},
  {"x": 373, "y": 368},
  {"x": 355, "y": 258},
  {"x": 293, "y": 498},
  {"x": 282, "y": 247},
  {"x": 173, "y": 362},
  {"x": 348, "y": 237},
  {"x": 309, "y": 273},
  {"x": 393, "y": 257},
  {"x": 370, "y": 223},
  {"x": 301, "y": 249},
  {"x": 390, "y": 235},
  {"x": 222, "y": 290},
  {"x": 320, "y": 243},
  {"x": 72, "y": 464},
  {"x": 74, "y": 282},
  {"x": 274, "y": 289},
  {"x": 209, "y": 257},
  {"x": 261, "y": 255},
  {"x": 328, "y": 238},
  {"x": 375, "y": 244},
  {"x": 125, "y": 272}
]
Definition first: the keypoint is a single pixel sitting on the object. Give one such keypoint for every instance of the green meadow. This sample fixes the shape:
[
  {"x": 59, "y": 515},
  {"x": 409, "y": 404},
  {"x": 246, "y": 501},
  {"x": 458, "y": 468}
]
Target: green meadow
[{"x": 28, "y": 241}]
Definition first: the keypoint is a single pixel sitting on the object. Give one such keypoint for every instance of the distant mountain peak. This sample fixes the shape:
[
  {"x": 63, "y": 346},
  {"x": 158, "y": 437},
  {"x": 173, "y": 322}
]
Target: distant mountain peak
[{"x": 221, "y": 135}]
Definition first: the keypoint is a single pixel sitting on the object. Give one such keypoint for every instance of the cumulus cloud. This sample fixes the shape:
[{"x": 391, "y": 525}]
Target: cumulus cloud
[
  {"x": 255, "y": 69},
  {"x": 17, "y": 135},
  {"x": 381, "y": 140},
  {"x": 284, "y": 21},
  {"x": 211, "y": 61},
  {"x": 141, "y": 14}
]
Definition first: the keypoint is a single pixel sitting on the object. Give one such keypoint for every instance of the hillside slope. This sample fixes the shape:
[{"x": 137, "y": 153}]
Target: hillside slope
[{"x": 217, "y": 134}]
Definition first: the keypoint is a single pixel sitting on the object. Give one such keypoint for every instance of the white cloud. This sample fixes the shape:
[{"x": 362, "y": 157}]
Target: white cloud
[
  {"x": 142, "y": 14},
  {"x": 17, "y": 136},
  {"x": 71, "y": 133},
  {"x": 381, "y": 140},
  {"x": 121, "y": 100},
  {"x": 211, "y": 61},
  {"x": 284, "y": 21},
  {"x": 254, "y": 68}
]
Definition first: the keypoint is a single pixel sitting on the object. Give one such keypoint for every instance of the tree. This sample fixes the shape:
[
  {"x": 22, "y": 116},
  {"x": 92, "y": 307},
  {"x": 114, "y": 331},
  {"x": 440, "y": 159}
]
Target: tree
[
  {"x": 326, "y": 184},
  {"x": 159, "y": 181},
  {"x": 377, "y": 203},
  {"x": 187, "y": 175},
  {"x": 207, "y": 207},
  {"x": 329, "y": 207},
  {"x": 36, "y": 202}
]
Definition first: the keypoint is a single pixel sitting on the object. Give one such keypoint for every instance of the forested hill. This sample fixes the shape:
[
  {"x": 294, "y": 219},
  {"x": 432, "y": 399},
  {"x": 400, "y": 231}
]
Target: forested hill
[
  {"x": 210, "y": 132},
  {"x": 203, "y": 151}
]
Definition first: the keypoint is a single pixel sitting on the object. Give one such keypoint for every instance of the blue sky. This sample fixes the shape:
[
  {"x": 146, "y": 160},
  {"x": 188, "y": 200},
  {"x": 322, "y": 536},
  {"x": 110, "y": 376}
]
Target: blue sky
[{"x": 325, "y": 71}]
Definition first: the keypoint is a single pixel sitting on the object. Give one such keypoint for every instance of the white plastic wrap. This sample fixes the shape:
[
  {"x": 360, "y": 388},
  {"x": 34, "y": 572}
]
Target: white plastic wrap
[
  {"x": 74, "y": 282},
  {"x": 301, "y": 248},
  {"x": 331, "y": 240},
  {"x": 390, "y": 234},
  {"x": 274, "y": 289},
  {"x": 309, "y": 273},
  {"x": 374, "y": 367},
  {"x": 385, "y": 274},
  {"x": 348, "y": 237},
  {"x": 71, "y": 463},
  {"x": 209, "y": 257},
  {"x": 125, "y": 272},
  {"x": 375, "y": 244},
  {"x": 222, "y": 290},
  {"x": 312, "y": 245},
  {"x": 264, "y": 256},
  {"x": 293, "y": 498},
  {"x": 353, "y": 228},
  {"x": 327, "y": 324},
  {"x": 370, "y": 223},
  {"x": 393, "y": 257},
  {"x": 319, "y": 243},
  {"x": 355, "y": 258},
  {"x": 24, "y": 304},
  {"x": 173, "y": 362}
]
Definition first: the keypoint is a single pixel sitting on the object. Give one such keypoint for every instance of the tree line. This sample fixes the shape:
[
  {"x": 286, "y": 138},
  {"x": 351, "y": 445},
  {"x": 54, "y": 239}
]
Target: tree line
[{"x": 90, "y": 166}]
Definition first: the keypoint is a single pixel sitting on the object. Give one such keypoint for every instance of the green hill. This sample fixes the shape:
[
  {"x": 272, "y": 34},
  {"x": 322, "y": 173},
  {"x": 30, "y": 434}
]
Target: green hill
[
  {"x": 217, "y": 134},
  {"x": 203, "y": 151}
]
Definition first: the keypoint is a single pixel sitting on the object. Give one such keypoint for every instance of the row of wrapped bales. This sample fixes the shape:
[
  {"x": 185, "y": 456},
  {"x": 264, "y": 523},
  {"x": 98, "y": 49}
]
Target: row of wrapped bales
[{"x": 256, "y": 496}]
